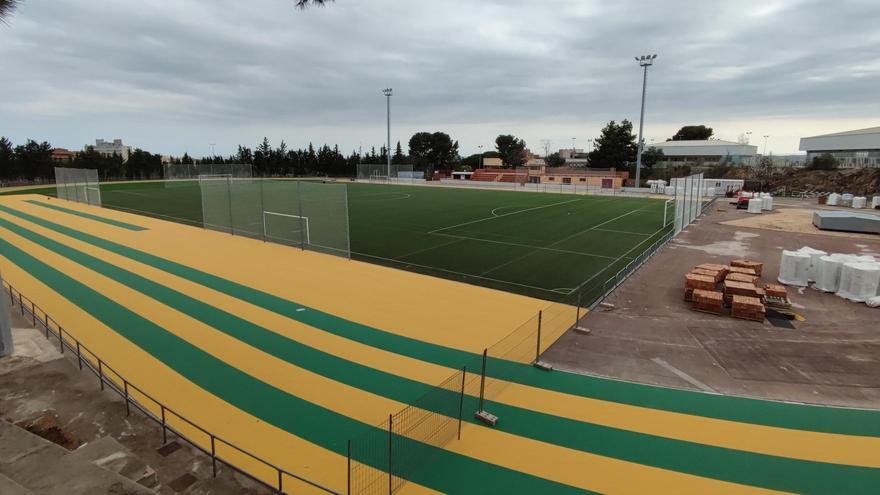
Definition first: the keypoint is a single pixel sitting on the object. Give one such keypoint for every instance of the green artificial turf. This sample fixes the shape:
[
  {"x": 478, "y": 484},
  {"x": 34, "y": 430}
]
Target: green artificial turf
[{"x": 551, "y": 246}]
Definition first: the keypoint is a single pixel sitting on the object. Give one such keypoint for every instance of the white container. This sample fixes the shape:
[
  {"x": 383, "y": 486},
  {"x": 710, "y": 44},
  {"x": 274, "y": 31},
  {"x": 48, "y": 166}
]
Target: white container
[
  {"x": 815, "y": 255},
  {"x": 859, "y": 281},
  {"x": 875, "y": 202},
  {"x": 793, "y": 268},
  {"x": 859, "y": 202},
  {"x": 828, "y": 271},
  {"x": 767, "y": 203},
  {"x": 754, "y": 205},
  {"x": 833, "y": 199},
  {"x": 669, "y": 190},
  {"x": 846, "y": 199}
]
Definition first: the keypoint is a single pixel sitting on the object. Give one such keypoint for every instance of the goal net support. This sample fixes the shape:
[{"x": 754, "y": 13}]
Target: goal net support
[
  {"x": 381, "y": 172},
  {"x": 309, "y": 215},
  {"x": 179, "y": 174},
  {"x": 78, "y": 184}
]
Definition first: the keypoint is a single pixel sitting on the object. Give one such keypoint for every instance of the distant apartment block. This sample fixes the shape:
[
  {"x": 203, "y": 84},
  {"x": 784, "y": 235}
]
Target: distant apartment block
[
  {"x": 61, "y": 155},
  {"x": 108, "y": 148}
]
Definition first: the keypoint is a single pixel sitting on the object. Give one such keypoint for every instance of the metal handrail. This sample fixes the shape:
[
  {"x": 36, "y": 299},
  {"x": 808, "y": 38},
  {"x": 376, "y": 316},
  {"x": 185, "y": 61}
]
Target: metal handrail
[{"x": 100, "y": 368}]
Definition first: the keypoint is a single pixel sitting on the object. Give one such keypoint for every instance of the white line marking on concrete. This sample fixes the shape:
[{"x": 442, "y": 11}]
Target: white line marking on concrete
[{"x": 684, "y": 376}]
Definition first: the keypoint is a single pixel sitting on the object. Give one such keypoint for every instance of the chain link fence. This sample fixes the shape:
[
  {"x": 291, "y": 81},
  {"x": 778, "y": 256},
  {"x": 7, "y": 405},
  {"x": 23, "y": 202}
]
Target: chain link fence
[
  {"x": 382, "y": 172},
  {"x": 78, "y": 184}
]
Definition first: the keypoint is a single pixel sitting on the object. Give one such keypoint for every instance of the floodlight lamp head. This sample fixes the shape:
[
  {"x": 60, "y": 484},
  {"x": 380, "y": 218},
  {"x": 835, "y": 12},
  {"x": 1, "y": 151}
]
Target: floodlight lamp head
[{"x": 387, "y": 91}]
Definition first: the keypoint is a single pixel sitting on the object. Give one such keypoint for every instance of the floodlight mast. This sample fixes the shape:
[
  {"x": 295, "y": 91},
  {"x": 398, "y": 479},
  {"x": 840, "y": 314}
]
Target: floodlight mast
[
  {"x": 388, "y": 92},
  {"x": 644, "y": 61}
]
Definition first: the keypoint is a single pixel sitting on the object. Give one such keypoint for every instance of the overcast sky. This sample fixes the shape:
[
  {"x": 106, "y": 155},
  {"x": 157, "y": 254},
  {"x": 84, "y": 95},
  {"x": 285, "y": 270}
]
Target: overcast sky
[{"x": 175, "y": 75}]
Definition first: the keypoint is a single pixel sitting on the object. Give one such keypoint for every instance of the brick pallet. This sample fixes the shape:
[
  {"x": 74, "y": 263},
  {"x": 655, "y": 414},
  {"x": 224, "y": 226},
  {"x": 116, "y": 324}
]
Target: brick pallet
[
  {"x": 718, "y": 275},
  {"x": 745, "y": 271},
  {"x": 776, "y": 290},
  {"x": 693, "y": 281},
  {"x": 712, "y": 267},
  {"x": 732, "y": 289},
  {"x": 708, "y": 301},
  {"x": 747, "y": 308},
  {"x": 742, "y": 277},
  {"x": 754, "y": 265}
]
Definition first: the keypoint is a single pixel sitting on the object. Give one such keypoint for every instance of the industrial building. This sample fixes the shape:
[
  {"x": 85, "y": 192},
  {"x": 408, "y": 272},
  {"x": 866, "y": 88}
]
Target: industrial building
[
  {"x": 705, "y": 153},
  {"x": 852, "y": 149}
]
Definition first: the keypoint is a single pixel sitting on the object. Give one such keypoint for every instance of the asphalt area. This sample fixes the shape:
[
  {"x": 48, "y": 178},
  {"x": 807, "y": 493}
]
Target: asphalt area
[{"x": 651, "y": 335}]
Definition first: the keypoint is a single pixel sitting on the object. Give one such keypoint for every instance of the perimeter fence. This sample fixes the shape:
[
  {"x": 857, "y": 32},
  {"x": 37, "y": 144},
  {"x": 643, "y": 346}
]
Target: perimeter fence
[
  {"x": 309, "y": 215},
  {"x": 381, "y": 460},
  {"x": 220, "y": 450},
  {"x": 178, "y": 174},
  {"x": 78, "y": 184},
  {"x": 382, "y": 172}
]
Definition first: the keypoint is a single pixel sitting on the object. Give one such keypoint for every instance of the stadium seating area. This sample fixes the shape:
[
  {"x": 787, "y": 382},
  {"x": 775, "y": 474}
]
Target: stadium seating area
[{"x": 495, "y": 175}]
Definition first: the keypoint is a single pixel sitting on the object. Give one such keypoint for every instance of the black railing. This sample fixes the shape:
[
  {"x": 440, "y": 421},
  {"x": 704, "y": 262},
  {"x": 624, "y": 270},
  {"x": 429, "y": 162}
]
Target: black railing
[{"x": 137, "y": 397}]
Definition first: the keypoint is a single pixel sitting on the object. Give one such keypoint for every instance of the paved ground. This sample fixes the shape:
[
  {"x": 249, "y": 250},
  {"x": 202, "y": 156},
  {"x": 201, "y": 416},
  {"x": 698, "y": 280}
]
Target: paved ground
[
  {"x": 40, "y": 387},
  {"x": 651, "y": 336}
]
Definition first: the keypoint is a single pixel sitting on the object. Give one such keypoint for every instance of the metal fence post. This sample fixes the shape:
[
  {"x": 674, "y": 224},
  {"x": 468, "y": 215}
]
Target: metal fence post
[
  {"x": 100, "y": 372},
  {"x": 20, "y": 305},
  {"x": 164, "y": 429},
  {"x": 280, "y": 481},
  {"x": 538, "y": 347},
  {"x": 390, "y": 458},
  {"x": 229, "y": 200},
  {"x": 61, "y": 339},
  {"x": 461, "y": 400},
  {"x": 348, "y": 474},
  {"x": 213, "y": 456},
  {"x": 483, "y": 378},
  {"x": 79, "y": 359},
  {"x": 577, "y": 315},
  {"x": 127, "y": 404},
  {"x": 34, "y": 314}
]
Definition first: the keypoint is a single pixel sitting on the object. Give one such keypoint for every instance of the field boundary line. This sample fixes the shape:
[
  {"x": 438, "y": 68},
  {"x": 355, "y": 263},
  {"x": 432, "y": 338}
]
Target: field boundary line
[
  {"x": 455, "y": 273},
  {"x": 564, "y": 251},
  {"x": 570, "y": 237},
  {"x": 623, "y": 232},
  {"x": 505, "y": 215}
]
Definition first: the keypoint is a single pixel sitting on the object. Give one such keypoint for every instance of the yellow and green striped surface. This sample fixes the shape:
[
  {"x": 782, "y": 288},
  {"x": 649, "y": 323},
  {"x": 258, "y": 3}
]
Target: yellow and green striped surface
[{"x": 290, "y": 354}]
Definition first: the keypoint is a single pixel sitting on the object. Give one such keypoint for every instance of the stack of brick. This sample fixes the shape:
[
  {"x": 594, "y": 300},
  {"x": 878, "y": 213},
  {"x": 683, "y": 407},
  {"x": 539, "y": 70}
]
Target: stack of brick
[
  {"x": 708, "y": 301},
  {"x": 777, "y": 297},
  {"x": 776, "y": 290},
  {"x": 747, "y": 308},
  {"x": 753, "y": 265},
  {"x": 714, "y": 268},
  {"x": 732, "y": 289},
  {"x": 694, "y": 282},
  {"x": 717, "y": 275},
  {"x": 742, "y": 277},
  {"x": 744, "y": 271}
]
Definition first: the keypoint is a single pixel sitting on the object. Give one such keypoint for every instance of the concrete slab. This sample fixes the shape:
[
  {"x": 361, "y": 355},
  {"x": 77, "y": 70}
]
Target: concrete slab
[
  {"x": 9, "y": 487},
  {"x": 652, "y": 336}
]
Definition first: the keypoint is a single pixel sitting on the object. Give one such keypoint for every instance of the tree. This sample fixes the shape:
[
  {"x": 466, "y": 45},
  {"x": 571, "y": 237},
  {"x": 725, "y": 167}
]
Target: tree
[
  {"x": 7, "y": 7},
  {"x": 430, "y": 151},
  {"x": 7, "y": 159},
  {"x": 398, "y": 158},
  {"x": 615, "y": 147},
  {"x": 301, "y": 4},
  {"x": 554, "y": 160},
  {"x": 825, "y": 161},
  {"x": 692, "y": 133},
  {"x": 511, "y": 149},
  {"x": 651, "y": 156}
]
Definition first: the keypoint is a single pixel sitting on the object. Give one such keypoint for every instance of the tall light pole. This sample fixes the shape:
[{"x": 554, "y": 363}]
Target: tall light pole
[
  {"x": 765, "y": 145},
  {"x": 572, "y": 146},
  {"x": 387, "y": 92},
  {"x": 644, "y": 61},
  {"x": 748, "y": 136},
  {"x": 480, "y": 146},
  {"x": 213, "y": 154}
]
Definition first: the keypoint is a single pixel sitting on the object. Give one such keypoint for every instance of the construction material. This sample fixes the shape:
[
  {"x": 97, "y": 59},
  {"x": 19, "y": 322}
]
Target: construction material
[
  {"x": 793, "y": 268},
  {"x": 833, "y": 199},
  {"x": 717, "y": 275},
  {"x": 767, "y": 203},
  {"x": 815, "y": 255},
  {"x": 776, "y": 290},
  {"x": 758, "y": 267},
  {"x": 693, "y": 281},
  {"x": 744, "y": 271},
  {"x": 847, "y": 221},
  {"x": 859, "y": 281},
  {"x": 732, "y": 289},
  {"x": 747, "y": 308},
  {"x": 708, "y": 302},
  {"x": 755, "y": 205},
  {"x": 875, "y": 202},
  {"x": 742, "y": 277},
  {"x": 860, "y": 202},
  {"x": 689, "y": 295}
]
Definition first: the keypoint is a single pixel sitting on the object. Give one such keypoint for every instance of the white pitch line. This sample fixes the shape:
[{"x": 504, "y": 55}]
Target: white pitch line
[
  {"x": 565, "y": 251},
  {"x": 621, "y": 232},
  {"x": 505, "y": 215}
]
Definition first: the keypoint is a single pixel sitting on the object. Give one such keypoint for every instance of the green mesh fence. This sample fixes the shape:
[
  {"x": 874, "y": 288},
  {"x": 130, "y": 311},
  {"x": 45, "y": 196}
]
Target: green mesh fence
[
  {"x": 308, "y": 215},
  {"x": 179, "y": 174},
  {"x": 381, "y": 172},
  {"x": 78, "y": 184}
]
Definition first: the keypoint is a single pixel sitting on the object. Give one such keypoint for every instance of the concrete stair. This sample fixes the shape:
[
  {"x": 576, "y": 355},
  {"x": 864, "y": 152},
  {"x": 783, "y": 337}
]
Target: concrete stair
[{"x": 38, "y": 466}]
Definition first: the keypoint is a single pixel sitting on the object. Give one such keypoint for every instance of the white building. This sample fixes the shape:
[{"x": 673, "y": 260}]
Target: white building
[
  {"x": 108, "y": 148},
  {"x": 852, "y": 149},
  {"x": 708, "y": 152}
]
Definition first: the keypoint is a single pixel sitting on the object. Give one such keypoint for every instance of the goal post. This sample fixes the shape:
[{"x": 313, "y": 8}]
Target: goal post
[
  {"x": 301, "y": 221},
  {"x": 205, "y": 177}
]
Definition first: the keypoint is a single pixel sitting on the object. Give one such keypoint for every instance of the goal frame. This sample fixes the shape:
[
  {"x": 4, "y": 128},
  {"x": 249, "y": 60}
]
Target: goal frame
[{"x": 286, "y": 215}]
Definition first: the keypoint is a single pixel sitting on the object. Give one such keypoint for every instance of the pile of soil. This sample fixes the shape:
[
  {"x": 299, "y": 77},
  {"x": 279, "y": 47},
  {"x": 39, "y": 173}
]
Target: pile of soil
[
  {"x": 792, "y": 181},
  {"x": 47, "y": 425}
]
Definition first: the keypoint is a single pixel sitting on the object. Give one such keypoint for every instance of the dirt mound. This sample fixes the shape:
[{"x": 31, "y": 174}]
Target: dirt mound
[{"x": 861, "y": 182}]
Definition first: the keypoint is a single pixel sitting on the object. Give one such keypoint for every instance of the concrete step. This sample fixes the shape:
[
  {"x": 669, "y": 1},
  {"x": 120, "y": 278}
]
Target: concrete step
[
  {"x": 48, "y": 469},
  {"x": 109, "y": 454}
]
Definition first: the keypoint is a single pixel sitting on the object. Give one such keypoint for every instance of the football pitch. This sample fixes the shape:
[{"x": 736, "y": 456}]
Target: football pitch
[{"x": 550, "y": 246}]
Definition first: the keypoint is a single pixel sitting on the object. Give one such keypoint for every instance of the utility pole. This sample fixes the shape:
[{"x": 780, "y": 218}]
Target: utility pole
[
  {"x": 644, "y": 61},
  {"x": 765, "y": 146},
  {"x": 387, "y": 92},
  {"x": 480, "y": 146}
]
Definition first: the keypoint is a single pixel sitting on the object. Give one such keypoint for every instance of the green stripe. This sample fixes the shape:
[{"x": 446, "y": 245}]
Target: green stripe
[
  {"x": 702, "y": 460},
  {"x": 778, "y": 414},
  {"x": 108, "y": 221},
  {"x": 311, "y": 422}
]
